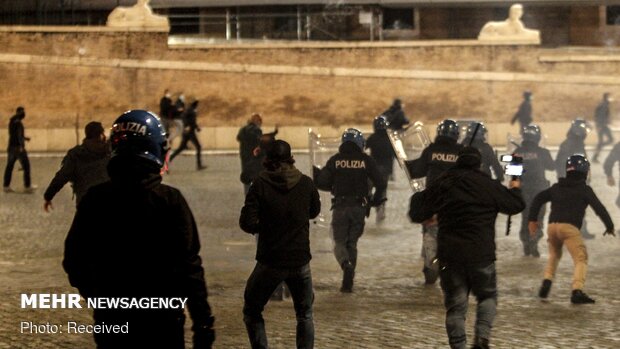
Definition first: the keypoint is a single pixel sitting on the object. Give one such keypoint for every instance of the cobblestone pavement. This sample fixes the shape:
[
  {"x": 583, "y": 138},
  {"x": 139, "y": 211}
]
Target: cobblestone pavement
[{"x": 391, "y": 308}]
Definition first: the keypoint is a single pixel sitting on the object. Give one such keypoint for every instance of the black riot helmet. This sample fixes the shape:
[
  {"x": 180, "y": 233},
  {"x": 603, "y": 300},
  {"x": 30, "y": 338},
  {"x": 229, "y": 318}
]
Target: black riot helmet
[
  {"x": 579, "y": 128},
  {"x": 480, "y": 133},
  {"x": 448, "y": 128},
  {"x": 380, "y": 123},
  {"x": 531, "y": 133},
  {"x": 577, "y": 163}
]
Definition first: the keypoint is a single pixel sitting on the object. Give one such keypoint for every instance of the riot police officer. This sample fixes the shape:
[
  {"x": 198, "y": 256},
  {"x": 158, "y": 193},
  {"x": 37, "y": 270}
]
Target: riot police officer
[
  {"x": 476, "y": 137},
  {"x": 438, "y": 157},
  {"x": 150, "y": 249},
  {"x": 382, "y": 152},
  {"x": 536, "y": 160},
  {"x": 573, "y": 144},
  {"x": 346, "y": 176}
]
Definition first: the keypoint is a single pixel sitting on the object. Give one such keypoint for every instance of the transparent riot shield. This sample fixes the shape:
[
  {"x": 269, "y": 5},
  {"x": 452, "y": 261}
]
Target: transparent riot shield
[
  {"x": 408, "y": 144},
  {"x": 320, "y": 150}
]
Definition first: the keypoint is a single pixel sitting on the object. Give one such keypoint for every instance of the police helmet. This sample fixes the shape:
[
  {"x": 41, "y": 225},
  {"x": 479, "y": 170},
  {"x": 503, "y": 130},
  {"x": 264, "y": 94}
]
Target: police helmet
[
  {"x": 354, "y": 135},
  {"x": 380, "y": 123},
  {"x": 580, "y": 128},
  {"x": 448, "y": 128},
  {"x": 531, "y": 133},
  {"x": 577, "y": 163},
  {"x": 480, "y": 134},
  {"x": 139, "y": 133}
]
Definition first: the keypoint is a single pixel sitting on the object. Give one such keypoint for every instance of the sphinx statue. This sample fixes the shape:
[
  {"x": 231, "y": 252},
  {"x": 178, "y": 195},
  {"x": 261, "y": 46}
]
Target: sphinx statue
[
  {"x": 512, "y": 29},
  {"x": 139, "y": 15}
]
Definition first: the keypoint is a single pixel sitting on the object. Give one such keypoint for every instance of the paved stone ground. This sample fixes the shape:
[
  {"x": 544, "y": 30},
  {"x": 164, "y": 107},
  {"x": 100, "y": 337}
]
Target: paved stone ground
[{"x": 390, "y": 308}]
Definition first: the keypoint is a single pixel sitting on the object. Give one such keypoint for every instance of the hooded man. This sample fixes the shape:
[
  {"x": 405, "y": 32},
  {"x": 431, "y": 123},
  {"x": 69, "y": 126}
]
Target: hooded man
[
  {"x": 277, "y": 208},
  {"x": 84, "y": 165},
  {"x": 466, "y": 202}
]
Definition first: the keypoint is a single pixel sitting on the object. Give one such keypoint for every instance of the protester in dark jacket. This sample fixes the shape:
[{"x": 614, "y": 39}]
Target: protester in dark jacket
[
  {"x": 189, "y": 135},
  {"x": 17, "y": 151},
  {"x": 252, "y": 142},
  {"x": 277, "y": 208},
  {"x": 569, "y": 199},
  {"x": 148, "y": 248},
  {"x": 466, "y": 202},
  {"x": 524, "y": 114},
  {"x": 608, "y": 166},
  {"x": 84, "y": 165},
  {"x": 396, "y": 115},
  {"x": 602, "y": 120}
]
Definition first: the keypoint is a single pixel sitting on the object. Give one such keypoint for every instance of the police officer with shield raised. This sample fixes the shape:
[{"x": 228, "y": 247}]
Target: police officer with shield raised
[
  {"x": 438, "y": 157},
  {"x": 346, "y": 175}
]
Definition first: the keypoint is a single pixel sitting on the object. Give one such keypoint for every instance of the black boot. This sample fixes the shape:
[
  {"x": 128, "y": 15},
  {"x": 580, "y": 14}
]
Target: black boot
[
  {"x": 430, "y": 275},
  {"x": 544, "y": 288},
  {"x": 579, "y": 297},
  {"x": 526, "y": 248},
  {"x": 480, "y": 343},
  {"x": 534, "y": 249},
  {"x": 347, "y": 277}
]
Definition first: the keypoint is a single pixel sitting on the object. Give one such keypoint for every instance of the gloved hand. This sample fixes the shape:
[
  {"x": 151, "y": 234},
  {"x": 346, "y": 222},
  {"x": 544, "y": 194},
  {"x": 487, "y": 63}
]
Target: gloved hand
[
  {"x": 315, "y": 172},
  {"x": 609, "y": 232},
  {"x": 204, "y": 334},
  {"x": 376, "y": 202}
]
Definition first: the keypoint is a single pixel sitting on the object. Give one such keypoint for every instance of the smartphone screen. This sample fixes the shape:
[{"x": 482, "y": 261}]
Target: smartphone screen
[{"x": 514, "y": 170}]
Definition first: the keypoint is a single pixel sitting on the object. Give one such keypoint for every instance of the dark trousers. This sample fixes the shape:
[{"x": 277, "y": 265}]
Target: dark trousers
[
  {"x": 14, "y": 154},
  {"x": 604, "y": 138},
  {"x": 261, "y": 284},
  {"x": 530, "y": 244},
  {"x": 457, "y": 281},
  {"x": 146, "y": 329},
  {"x": 189, "y": 137},
  {"x": 347, "y": 228}
]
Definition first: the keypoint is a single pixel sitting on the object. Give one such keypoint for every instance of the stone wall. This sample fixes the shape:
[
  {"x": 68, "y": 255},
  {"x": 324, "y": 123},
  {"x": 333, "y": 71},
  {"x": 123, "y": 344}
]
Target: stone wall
[{"x": 66, "y": 77}]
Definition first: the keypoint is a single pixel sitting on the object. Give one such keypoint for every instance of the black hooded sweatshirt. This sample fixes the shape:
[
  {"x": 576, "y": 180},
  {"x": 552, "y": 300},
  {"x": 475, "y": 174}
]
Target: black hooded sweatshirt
[
  {"x": 84, "y": 166},
  {"x": 136, "y": 237},
  {"x": 569, "y": 199},
  {"x": 466, "y": 202},
  {"x": 278, "y": 207}
]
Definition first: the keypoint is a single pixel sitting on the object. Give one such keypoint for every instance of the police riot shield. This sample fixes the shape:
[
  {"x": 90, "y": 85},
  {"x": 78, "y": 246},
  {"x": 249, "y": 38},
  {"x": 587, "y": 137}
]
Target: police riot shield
[
  {"x": 320, "y": 150},
  {"x": 408, "y": 144}
]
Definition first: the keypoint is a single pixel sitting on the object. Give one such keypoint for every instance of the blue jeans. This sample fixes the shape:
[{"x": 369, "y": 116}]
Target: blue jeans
[
  {"x": 457, "y": 280},
  {"x": 261, "y": 284}
]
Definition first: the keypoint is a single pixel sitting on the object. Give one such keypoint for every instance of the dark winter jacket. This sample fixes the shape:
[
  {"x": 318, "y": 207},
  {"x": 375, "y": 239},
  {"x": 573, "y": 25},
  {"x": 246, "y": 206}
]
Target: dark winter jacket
[
  {"x": 346, "y": 175},
  {"x": 601, "y": 114},
  {"x": 165, "y": 108},
  {"x": 84, "y": 166},
  {"x": 135, "y": 237},
  {"x": 189, "y": 120},
  {"x": 466, "y": 202},
  {"x": 16, "y": 132},
  {"x": 396, "y": 117},
  {"x": 524, "y": 114},
  {"x": 489, "y": 158},
  {"x": 571, "y": 145},
  {"x": 278, "y": 207},
  {"x": 248, "y": 138},
  {"x": 535, "y": 161},
  {"x": 612, "y": 158},
  {"x": 438, "y": 157},
  {"x": 381, "y": 150},
  {"x": 569, "y": 199}
]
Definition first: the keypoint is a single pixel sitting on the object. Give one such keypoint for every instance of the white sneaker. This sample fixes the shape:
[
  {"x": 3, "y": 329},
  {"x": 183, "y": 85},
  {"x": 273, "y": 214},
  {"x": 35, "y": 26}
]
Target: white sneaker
[
  {"x": 30, "y": 189},
  {"x": 7, "y": 189}
]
